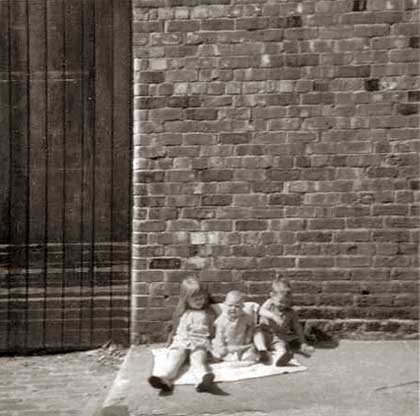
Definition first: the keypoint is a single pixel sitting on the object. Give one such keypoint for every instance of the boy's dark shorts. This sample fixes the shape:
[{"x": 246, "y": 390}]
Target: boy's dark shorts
[{"x": 270, "y": 337}]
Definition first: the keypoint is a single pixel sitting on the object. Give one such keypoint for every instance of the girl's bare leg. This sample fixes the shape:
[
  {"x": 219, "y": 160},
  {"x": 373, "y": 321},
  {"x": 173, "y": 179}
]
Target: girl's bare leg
[
  {"x": 175, "y": 359},
  {"x": 205, "y": 377},
  {"x": 163, "y": 379}
]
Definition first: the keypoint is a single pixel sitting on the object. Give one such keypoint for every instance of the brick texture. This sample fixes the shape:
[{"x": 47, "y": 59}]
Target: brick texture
[{"x": 278, "y": 139}]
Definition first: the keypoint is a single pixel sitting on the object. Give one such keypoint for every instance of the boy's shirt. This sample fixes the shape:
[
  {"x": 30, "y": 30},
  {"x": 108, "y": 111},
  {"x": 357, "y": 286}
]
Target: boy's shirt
[{"x": 287, "y": 316}]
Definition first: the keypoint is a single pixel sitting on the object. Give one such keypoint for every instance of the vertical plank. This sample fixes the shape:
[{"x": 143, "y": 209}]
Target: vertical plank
[
  {"x": 103, "y": 146},
  {"x": 66, "y": 185},
  {"x": 5, "y": 166},
  {"x": 121, "y": 169},
  {"x": 73, "y": 153},
  {"x": 19, "y": 178},
  {"x": 37, "y": 127},
  {"x": 88, "y": 176},
  {"x": 55, "y": 138},
  {"x": 4, "y": 123}
]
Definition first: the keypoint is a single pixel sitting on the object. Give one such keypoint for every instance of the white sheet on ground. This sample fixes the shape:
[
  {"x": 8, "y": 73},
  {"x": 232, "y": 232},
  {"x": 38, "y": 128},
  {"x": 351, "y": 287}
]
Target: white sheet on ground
[{"x": 227, "y": 371}]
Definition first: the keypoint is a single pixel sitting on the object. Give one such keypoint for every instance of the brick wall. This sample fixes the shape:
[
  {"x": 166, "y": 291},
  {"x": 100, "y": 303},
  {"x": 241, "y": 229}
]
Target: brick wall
[{"x": 278, "y": 138}]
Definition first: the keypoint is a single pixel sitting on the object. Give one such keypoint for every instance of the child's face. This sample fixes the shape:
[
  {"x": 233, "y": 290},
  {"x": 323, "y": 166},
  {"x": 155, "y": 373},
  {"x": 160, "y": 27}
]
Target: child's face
[
  {"x": 197, "y": 301},
  {"x": 282, "y": 298},
  {"x": 233, "y": 307}
]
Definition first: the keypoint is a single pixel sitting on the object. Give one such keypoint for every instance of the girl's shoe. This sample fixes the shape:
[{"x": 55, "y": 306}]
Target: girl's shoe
[
  {"x": 205, "y": 383},
  {"x": 284, "y": 359},
  {"x": 160, "y": 383}
]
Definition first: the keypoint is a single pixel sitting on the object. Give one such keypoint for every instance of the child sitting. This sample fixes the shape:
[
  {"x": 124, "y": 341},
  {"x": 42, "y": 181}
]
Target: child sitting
[
  {"x": 235, "y": 332},
  {"x": 281, "y": 325},
  {"x": 192, "y": 322}
]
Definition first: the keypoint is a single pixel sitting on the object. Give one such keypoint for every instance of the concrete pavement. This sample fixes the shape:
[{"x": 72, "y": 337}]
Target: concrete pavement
[
  {"x": 363, "y": 378},
  {"x": 66, "y": 384}
]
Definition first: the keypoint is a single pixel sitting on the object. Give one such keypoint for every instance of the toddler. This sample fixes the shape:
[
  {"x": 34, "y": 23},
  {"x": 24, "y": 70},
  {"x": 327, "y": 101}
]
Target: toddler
[
  {"x": 236, "y": 333},
  {"x": 192, "y": 323},
  {"x": 281, "y": 325}
]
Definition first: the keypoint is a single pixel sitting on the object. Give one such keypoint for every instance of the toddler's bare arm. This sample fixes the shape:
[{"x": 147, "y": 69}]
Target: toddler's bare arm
[{"x": 266, "y": 313}]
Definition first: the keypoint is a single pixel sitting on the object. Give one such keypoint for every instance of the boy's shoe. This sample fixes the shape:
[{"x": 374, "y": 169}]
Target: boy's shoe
[
  {"x": 160, "y": 383},
  {"x": 284, "y": 359},
  {"x": 205, "y": 383},
  {"x": 306, "y": 350},
  {"x": 264, "y": 357}
]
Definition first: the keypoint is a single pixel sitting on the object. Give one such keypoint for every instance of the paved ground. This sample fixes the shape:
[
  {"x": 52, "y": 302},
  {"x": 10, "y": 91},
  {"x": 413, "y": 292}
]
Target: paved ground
[
  {"x": 73, "y": 384},
  {"x": 358, "y": 378}
]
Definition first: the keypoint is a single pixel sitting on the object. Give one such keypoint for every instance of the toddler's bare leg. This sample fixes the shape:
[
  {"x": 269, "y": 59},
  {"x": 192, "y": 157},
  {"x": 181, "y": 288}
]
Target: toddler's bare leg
[
  {"x": 250, "y": 354},
  {"x": 282, "y": 352},
  {"x": 205, "y": 377},
  {"x": 261, "y": 346},
  {"x": 259, "y": 341}
]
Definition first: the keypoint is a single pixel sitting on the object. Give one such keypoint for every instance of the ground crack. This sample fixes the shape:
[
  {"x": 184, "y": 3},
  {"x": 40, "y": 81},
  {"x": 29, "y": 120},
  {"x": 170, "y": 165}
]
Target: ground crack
[{"x": 397, "y": 385}]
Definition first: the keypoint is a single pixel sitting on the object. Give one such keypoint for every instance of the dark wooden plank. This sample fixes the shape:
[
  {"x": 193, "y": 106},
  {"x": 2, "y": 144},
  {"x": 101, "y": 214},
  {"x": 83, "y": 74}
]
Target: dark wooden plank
[
  {"x": 55, "y": 138},
  {"x": 104, "y": 131},
  {"x": 73, "y": 155},
  {"x": 103, "y": 120},
  {"x": 88, "y": 174},
  {"x": 37, "y": 122},
  {"x": 122, "y": 122},
  {"x": 37, "y": 156},
  {"x": 19, "y": 108},
  {"x": 121, "y": 208},
  {"x": 4, "y": 125},
  {"x": 55, "y": 119},
  {"x": 4, "y": 171},
  {"x": 73, "y": 120},
  {"x": 19, "y": 177}
]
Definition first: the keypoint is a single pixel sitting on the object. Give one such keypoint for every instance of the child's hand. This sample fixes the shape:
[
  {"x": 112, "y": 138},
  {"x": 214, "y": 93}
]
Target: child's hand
[
  {"x": 306, "y": 349},
  {"x": 222, "y": 351},
  {"x": 279, "y": 321}
]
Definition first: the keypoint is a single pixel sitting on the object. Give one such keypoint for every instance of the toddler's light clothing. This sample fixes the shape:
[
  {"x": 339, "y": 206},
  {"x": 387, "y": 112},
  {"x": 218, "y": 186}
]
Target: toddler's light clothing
[{"x": 233, "y": 339}]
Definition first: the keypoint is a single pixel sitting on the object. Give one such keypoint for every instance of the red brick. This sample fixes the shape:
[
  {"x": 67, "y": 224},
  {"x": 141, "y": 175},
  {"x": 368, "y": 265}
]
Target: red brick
[
  {"x": 315, "y": 262},
  {"x": 217, "y": 24},
  {"x": 285, "y": 199},
  {"x": 217, "y": 200},
  {"x": 251, "y": 225},
  {"x": 276, "y": 262},
  {"x": 183, "y": 26},
  {"x": 282, "y": 138}
]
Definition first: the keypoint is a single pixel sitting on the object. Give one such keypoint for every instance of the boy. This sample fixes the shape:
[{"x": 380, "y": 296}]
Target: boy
[{"x": 280, "y": 324}]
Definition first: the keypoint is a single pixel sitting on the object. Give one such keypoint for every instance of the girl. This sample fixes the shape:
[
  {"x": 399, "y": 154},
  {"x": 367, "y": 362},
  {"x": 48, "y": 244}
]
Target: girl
[{"x": 192, "y": 324}]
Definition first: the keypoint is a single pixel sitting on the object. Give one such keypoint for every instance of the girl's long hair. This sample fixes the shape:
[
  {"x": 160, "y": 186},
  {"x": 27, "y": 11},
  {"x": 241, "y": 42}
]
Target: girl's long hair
[{"x": 189, "y": 287}]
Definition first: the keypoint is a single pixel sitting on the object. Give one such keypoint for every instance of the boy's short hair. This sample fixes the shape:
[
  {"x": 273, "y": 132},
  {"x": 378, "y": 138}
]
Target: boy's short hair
[{"x": 281, "y": 284}]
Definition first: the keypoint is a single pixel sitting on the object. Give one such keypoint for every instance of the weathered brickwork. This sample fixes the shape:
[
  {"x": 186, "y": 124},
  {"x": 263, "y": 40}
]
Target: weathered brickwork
[{"x": 278, "y": 138}]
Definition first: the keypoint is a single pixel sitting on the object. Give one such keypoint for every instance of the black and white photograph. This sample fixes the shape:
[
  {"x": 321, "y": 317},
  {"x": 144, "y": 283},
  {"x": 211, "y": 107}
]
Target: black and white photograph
[{"x": 209, "y": 207}]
